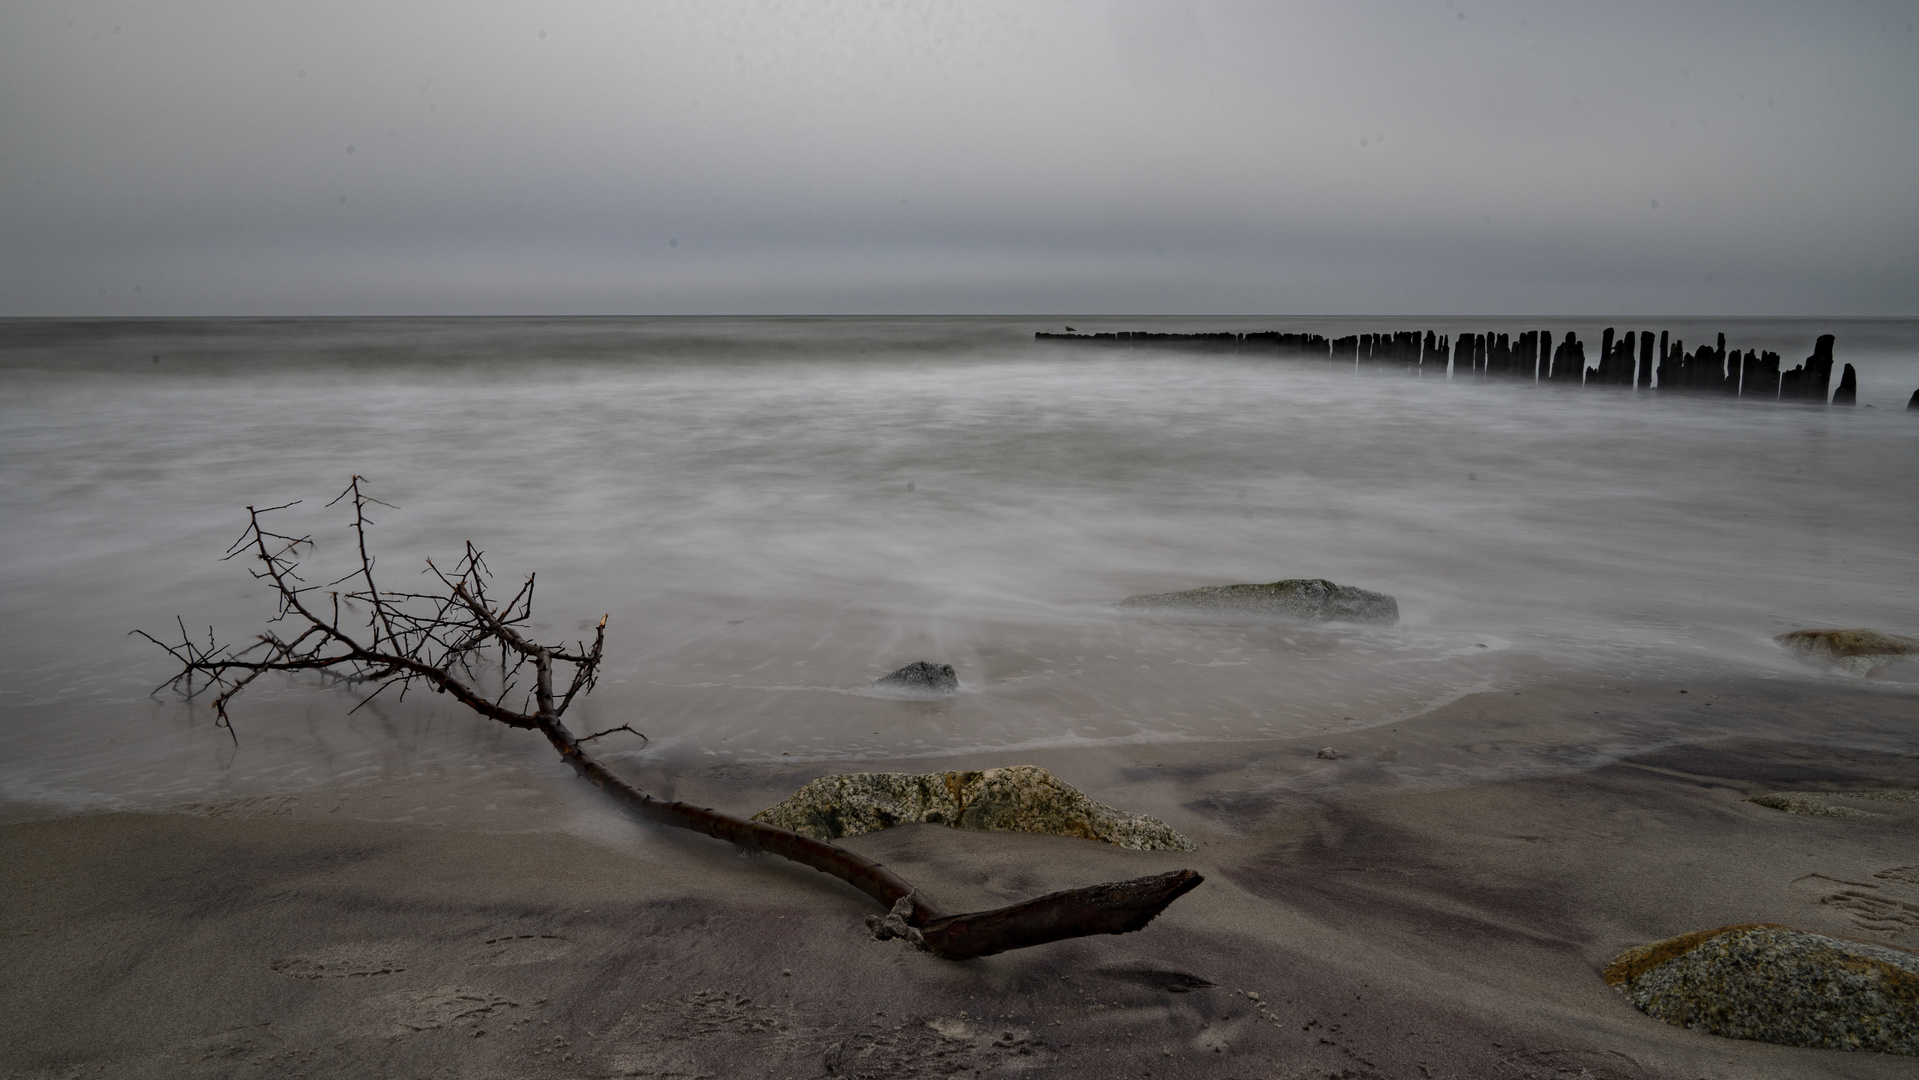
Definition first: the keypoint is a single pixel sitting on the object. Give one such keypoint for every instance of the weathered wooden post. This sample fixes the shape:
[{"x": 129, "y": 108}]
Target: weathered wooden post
[{"x": 1848, "y": 392}]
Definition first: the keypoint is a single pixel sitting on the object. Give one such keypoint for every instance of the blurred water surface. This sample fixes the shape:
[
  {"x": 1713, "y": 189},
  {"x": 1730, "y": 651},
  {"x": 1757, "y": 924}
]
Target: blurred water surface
[{"x": 775, "y": 511}]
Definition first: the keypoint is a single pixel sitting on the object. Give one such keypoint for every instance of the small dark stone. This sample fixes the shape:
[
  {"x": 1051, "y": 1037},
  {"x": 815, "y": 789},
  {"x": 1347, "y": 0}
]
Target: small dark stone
[
  {"x": 921, "y": 677},
  {"x": 1329, "y": 753}
]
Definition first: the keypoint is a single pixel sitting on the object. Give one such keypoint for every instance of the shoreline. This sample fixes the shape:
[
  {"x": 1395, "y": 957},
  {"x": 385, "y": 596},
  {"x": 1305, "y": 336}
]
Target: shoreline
[{"x": 1390, "y": 927}]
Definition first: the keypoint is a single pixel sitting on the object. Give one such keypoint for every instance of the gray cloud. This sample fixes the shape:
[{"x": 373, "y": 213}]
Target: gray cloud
[{"x": 660, "y": 158}]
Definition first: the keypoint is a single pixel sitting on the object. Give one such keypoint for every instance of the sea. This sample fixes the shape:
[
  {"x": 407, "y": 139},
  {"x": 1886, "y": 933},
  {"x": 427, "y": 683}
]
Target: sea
[{"x": 774, "y": 512}]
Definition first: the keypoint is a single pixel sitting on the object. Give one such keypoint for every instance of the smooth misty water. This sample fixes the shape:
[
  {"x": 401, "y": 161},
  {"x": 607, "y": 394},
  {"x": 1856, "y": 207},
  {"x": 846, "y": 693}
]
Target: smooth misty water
[{"x": 776, "y": 511}]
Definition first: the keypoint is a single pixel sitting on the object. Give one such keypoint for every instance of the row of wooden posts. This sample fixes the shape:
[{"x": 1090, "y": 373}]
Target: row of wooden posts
[{"x": 1632, "y": 360}]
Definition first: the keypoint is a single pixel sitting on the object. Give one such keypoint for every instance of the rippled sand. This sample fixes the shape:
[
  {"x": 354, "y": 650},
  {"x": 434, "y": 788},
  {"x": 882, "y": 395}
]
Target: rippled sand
[{"x": 1379, "y": 914}]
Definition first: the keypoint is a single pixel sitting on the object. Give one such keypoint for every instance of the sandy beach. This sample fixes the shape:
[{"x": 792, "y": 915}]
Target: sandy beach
[
  {"x": 1352, "y": 924},
  {"x": 1432, "y": 486},
  {"x": 1547, "y": 760}
]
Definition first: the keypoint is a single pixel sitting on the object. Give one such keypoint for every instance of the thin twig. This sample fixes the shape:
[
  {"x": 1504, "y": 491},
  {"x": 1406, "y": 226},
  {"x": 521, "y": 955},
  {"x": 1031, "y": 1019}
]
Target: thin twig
[{"x": 611, "y": 730}]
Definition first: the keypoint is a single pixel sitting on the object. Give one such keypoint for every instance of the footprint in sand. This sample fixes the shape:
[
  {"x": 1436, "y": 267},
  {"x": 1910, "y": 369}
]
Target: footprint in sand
[
  {"x": 1573, "y": 1063},
  {"x": 261, "y": 806},
  {"x": 445, "y": 1006},
  {"x": 513, "y": 949},
  {"x": 1154, "y": 977},
  {"x": 356, "y": 961},
  {"x": 1881, "y": 910}
]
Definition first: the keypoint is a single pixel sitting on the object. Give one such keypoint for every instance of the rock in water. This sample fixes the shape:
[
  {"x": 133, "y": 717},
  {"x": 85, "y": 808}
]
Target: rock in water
[
  {"x": 1018, "y": 798},
  {"x": 1305, "y": 599},
  {"x": 921, "y": 677},
  {"x": 1775, "y": 984},
  {"x": 1862, "y": 652}
]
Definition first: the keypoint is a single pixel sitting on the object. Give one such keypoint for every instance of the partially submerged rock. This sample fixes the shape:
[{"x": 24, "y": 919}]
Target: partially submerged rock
[
  {"x": 1860, "y": 651},
  {"x": 920, "y": 677},
  {"x": 1774, "y": 984},
  {"x": 1303, "y": 599},
  {"x": 1018, "y": 798}
]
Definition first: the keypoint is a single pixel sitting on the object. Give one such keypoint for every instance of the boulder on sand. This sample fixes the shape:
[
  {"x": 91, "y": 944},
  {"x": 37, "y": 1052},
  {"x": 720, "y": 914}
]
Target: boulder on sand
[
  {"x": 1774, "y": 984},
  {"x": 1018, "y": 798},
  {"x": 1822, "y": 804},
  {"x": 1861, "y": 651},
  {"x": 1302, "y": 599}
]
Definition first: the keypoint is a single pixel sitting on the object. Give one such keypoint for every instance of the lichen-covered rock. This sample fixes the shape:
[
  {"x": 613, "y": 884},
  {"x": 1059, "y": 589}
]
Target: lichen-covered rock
[
  {"x": 1820, "y": 804},
  {"x": 1804, "y": 803},
  {"x": 1018, "y": 798},
  {"x": 1303, "y": 599},
  {"x": 920, "y": 677},
  {"x": 1775, "y": 984},
  {"x": 1860, "y": 651}
]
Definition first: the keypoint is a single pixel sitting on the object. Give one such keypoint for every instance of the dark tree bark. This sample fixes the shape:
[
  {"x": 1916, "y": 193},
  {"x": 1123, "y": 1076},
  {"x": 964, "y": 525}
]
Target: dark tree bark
[{"x": 365, "y": 636}]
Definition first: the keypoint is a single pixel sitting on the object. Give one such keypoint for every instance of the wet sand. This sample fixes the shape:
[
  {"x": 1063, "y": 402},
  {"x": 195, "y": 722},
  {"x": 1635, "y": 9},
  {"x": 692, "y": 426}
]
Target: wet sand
[{"x": 1391, "y": 913}]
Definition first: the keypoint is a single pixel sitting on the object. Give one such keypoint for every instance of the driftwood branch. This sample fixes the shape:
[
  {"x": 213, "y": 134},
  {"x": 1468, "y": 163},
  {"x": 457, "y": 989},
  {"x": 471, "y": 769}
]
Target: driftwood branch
[{"x": 357, "y": 634}]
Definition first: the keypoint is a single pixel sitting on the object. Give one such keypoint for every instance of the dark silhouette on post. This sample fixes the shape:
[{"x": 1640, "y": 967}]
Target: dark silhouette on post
[
  {"x": 1672, "y": 363},
  {"x": 1848, "y": 392},
  {"x": 1760, "y": 378},
  {"x": 1514, "y": 358},
  {"x": 1569, "y": 361},
  {"x": 1626, "y": 359},
  {"x": 1615, "y": 360},
  {"x": 1811, "y": 380},
  {"x": 1470, "y": 357}
]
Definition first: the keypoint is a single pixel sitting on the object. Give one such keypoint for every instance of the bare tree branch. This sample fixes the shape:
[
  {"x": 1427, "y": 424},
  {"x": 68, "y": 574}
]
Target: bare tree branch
[
  {"x": 611, "y": 730},
  {"x": 441, "y": 639}
]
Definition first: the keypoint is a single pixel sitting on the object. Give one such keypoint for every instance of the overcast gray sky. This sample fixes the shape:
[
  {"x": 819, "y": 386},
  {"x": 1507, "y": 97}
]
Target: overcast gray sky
[{"x": 1406, "y": 158}]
